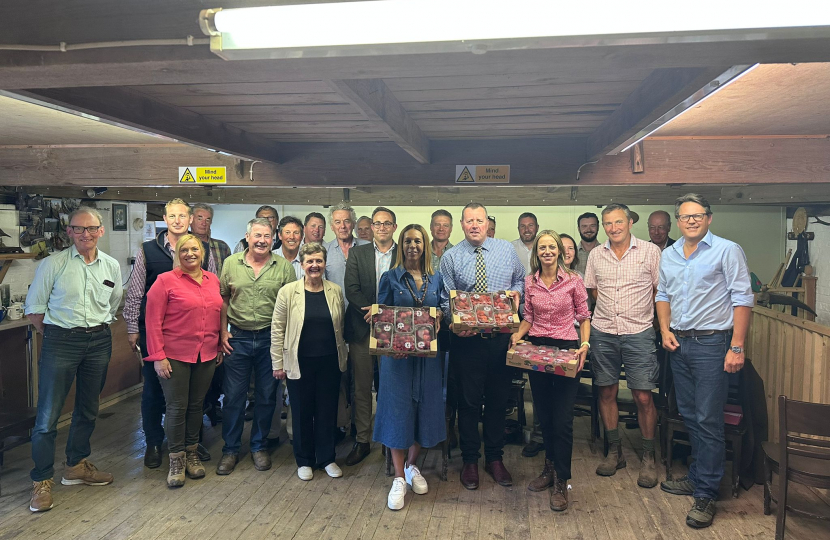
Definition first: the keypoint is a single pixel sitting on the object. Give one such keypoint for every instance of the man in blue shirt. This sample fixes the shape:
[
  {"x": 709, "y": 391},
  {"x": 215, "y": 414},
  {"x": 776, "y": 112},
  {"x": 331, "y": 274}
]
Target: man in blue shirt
[
  {"x": 704, "y": 301},
  {"x": 481, "y": 264}
]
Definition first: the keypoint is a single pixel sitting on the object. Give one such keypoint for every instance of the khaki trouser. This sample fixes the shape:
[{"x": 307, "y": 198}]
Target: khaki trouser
[{"x": 363, "y": 377}]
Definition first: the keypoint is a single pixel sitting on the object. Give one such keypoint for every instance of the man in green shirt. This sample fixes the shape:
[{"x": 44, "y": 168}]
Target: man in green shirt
[
  {"x": 72, "y": 302},
  {"x": 249, "y": 285}
]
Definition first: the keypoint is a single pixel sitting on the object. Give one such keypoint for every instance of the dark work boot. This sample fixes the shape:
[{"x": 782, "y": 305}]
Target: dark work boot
[{"x": 544, "y": 480}]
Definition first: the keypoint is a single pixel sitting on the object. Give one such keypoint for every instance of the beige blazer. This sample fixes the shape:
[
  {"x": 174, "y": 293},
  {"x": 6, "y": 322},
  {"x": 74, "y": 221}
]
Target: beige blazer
[{"x": 287, "y": 325}]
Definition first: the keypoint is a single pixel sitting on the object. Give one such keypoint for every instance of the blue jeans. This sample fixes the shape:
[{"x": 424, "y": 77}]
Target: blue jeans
[
  {"x": 251, "y": 352},
  {"x": 701, "y": 386},
  {"x": 66, "y": 357},
  {"x": 152, "y": 399}
]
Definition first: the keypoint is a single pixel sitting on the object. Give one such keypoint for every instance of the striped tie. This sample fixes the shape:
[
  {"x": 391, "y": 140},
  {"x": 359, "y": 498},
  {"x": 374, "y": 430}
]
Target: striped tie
[{"x": 481, "y": 272}]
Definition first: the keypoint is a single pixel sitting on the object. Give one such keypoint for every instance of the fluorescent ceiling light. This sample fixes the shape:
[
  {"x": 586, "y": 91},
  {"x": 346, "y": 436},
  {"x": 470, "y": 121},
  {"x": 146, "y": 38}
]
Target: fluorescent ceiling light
[{"x": 414, "y": 26}]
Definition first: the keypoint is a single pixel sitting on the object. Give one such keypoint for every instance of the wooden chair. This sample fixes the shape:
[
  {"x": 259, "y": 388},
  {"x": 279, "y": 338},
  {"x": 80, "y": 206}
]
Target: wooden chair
[
  {"x": 799, "y": 455},
  {"x": 586, "y": 403},
  {"x": 15, "y": 426}
]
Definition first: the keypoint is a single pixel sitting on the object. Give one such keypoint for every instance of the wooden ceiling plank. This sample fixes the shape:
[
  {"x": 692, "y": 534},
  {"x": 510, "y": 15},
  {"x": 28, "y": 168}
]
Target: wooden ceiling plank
[
  {"x": 619, "y": 89},
  {"x": 604, "y": 100},
  {"x": 253, "y": 99},
  {"x": 493, "y": 80},
  {"x": 382, "y": 108},
  {"x": 134, "y": 110}
]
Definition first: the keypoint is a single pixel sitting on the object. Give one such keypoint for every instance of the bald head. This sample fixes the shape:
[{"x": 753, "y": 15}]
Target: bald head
[{"x": 659, "y": 225}]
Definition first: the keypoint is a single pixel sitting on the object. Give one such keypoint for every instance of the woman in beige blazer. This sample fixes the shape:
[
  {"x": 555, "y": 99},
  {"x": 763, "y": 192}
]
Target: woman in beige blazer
[{"x": 308, "y": 349}]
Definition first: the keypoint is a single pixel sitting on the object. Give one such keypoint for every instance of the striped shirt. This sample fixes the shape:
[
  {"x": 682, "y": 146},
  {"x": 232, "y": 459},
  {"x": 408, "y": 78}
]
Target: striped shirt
[
  {"x": 625, "y": 287},
  {"x": 551, "y": 311}
]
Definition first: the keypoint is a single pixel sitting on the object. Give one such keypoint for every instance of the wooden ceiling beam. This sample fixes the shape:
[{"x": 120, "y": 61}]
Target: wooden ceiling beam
[
  {"x": 127, "y": 108},
  {"x": 385, "y": 112}
]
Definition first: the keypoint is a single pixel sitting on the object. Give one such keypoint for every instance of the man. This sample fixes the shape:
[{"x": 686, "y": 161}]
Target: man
[
  {"x": 491, "y": 227},
  {"x": 440, "y": 226},
  {"x": 72, "y": 301},
  {"x": 202, "y": 219},
  {"x": 270, "y": 213},
  {"x": 622, "y": 277},
  {"x": 365, "y": 266},
  {"x": 314, "y": 227},
  {"x": 483, "y": 264},
  {"x": 704, "y": 302},
  {"x": 528, "y": 227},
  {"x": 659, "y": 225},
  {"x": 249, "y": 285},
  {"x": 588, "y": 226},
  {"x": 291, "y": 237},
  {"x": 153, "y": 259},
  {"x": 364, "y": 228}
]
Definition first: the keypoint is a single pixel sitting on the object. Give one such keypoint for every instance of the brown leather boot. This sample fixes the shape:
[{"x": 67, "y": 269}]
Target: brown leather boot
[
  {"x": 559, "y": 495},
  {"x": 613, "y": 461},
  {"x": 193, "y": 464},
  {"x": 544, "y": 480},
  {"x": 648, "y": 471}
]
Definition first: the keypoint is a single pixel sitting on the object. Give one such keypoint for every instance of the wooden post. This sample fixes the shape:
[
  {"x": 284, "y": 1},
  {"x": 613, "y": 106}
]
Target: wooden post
[{"x": 638, "y": 158}]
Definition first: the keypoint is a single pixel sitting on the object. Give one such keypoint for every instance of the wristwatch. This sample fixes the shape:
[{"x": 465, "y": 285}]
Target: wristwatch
[{"x": 737, "y": 350}]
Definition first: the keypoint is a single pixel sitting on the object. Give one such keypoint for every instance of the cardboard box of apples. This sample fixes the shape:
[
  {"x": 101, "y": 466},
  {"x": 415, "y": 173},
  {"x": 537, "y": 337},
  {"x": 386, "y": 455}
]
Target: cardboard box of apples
[
  {"x": 545, "y": 358},
  {"x": 403, "y": 330},
  {"x": 483, "y": 312}
]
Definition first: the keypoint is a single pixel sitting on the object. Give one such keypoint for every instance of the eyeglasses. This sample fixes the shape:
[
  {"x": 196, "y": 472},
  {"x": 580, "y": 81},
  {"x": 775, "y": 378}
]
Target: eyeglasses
[
  {"x": 382, "y": 224},
  {"x": 92, "y": 229},
  {"x": 684, "y": 218}
]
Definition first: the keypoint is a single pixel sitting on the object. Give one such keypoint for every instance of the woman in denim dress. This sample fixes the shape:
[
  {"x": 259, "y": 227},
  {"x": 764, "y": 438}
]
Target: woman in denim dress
[{"x": 410, "y": 409}]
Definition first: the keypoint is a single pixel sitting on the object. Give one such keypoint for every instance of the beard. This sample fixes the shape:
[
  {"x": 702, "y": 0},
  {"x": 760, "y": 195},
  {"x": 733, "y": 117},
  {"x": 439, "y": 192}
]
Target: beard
[{"x": 588, "y": 238}]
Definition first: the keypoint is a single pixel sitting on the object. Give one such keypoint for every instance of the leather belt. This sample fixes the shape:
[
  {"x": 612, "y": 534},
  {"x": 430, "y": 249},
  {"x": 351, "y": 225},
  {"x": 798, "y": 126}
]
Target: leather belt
[
  {"x": 698, "y": 333},
  {"x": 82, "y": 329}
]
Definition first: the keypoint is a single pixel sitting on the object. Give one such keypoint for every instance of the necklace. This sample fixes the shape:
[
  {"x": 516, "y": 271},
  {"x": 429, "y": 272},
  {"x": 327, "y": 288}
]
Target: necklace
[{"x": 419, "y": 302}]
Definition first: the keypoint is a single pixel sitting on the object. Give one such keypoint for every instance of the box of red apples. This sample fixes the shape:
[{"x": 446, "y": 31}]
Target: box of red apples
[
  {"x": 403, "y": 330},
  {"x": 544, "y": 358},
  {"x": 483, "y": 312}
]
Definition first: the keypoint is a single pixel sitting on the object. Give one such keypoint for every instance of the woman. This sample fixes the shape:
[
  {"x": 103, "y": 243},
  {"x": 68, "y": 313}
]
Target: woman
[
  {"x": 555, "y": 296},
  {"x": 571, "y": 257},
  {"x": 307, "y": 347},
  {"x": 183, "y": 308},
  {"x": 410, "y": 411}
]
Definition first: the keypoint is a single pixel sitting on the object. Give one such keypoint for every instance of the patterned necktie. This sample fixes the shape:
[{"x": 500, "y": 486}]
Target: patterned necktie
[{"x": 481, "y": 272}]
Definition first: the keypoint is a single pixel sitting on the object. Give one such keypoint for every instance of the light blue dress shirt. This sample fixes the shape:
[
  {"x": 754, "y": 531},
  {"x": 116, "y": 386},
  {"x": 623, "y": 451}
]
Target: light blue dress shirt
[
  {"x": 298, "y": 266},
  {"x": 336, "y": 263},
  {"x": 71, "y": 293},
  {"x": 704, "y": 289}
]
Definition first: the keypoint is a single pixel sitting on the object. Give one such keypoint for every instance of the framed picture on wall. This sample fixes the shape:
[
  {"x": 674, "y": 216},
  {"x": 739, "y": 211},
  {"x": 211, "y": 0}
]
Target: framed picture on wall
[{"x": 119, "y": 217}]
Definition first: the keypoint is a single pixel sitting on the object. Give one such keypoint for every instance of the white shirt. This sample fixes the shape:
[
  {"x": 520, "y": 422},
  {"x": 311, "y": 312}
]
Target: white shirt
[{"x": 523, "y": 252}]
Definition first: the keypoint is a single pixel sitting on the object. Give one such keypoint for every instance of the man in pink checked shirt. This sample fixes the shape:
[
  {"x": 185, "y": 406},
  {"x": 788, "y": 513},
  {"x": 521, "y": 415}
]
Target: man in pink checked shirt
[{"x": 622, "y": 276}]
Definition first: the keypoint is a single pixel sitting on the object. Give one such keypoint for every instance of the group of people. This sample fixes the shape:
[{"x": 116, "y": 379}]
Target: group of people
[{"x": 286, "y": 307}]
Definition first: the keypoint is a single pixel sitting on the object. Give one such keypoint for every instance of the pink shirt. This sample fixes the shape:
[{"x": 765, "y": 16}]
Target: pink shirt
[
  {"x": 551, "y": 311},
  {"x": 625, "y": 287},
  {"x": 182, "y": 318}
]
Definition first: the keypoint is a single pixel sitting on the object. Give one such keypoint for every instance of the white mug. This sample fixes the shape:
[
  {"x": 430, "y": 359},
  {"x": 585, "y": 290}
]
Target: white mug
[{"x": 15, "y": 311}]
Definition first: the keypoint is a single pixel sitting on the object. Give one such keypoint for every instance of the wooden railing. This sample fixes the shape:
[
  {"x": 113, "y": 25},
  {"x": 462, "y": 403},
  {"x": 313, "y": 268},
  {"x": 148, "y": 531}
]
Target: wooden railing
[{"x": 792, "y": 356}]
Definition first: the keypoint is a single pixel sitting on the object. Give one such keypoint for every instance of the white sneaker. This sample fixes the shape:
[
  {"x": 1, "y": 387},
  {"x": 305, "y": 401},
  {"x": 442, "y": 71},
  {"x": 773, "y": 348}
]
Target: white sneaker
[
  {"x": 333, "y": 470},
  {"x": 305, "y": 473},
  {"x": 416, "y": 480},
  {"x": 396, "y": 494}
]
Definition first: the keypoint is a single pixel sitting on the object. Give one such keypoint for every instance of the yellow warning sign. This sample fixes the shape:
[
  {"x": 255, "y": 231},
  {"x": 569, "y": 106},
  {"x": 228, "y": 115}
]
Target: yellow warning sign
[
  {"x": 202, "y": 175},
  {"x": 482, "y": 174},
  {"x": 465, "y": 176}
]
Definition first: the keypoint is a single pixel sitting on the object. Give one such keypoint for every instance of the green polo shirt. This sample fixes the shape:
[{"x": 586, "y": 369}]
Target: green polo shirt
[{"x": 251, "y": 298}]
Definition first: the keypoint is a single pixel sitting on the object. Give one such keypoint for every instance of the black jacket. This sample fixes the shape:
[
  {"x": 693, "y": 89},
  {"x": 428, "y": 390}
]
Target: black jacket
[{"x": 360, "y": 286}]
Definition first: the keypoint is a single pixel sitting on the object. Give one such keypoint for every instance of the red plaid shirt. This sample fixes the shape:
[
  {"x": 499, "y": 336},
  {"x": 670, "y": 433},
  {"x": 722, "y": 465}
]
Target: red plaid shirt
[
  {"x": 625, "y": 287},
  {"x": 551, "y": 311}
]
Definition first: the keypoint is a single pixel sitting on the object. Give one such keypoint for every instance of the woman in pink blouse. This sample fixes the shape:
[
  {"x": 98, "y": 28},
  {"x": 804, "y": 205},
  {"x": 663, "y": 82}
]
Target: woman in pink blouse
[
  {"x": 182, "y": 321},
  {"x": 555, "y": 297}
]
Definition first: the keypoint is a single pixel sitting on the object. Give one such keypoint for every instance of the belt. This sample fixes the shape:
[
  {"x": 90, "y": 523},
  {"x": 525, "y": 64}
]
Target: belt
[
  {"x": 254, "y": 331},
  {"x": 698, "y": 333},
  {"x": 82, "y": 329}
]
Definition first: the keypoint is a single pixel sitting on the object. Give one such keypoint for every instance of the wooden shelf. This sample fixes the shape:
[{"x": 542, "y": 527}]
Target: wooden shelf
[{"x": 16, "y": 256}]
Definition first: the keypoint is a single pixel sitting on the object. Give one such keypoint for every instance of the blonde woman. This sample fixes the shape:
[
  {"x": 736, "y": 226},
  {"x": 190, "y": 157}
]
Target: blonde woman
[
  {"x": 182, "y": 320},
  {"x": 555, "y": 297},
  {"x": 308, "y": 350}
]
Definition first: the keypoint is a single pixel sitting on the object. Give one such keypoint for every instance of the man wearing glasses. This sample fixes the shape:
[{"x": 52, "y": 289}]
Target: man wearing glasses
[
  {"x": 153, "y": 259},
  {"x": 659, "y": 225},
  {"x": 270, "y": 213},
  {"x": 72, "y": 301},
  {"x": 365, "y": 266},
  {"x": 622, "y": 275},
  {"x": 704, "y": 302}
]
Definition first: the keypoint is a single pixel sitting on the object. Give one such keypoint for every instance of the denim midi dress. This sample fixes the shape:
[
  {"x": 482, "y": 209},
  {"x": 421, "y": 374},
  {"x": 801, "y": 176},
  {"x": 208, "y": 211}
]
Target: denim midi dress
[{"x": 411, "y": 397}]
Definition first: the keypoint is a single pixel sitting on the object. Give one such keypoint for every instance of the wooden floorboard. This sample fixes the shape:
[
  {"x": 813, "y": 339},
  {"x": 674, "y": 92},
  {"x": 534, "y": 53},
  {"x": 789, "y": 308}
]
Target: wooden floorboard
[{"x": 276, "y": 504}]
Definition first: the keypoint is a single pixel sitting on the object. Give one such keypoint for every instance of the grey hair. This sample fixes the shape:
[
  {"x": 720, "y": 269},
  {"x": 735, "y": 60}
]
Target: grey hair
[
  {"x": 343, "y": 206},
  {"x": 259, "y": 221},
  {"x": 310, "y": 249},
  {"x": 203, "y": 206},
  {"x": 86, "y": 210},
  {"x": 473, "y": 206},
  {"x": 614, "y": 206},
  {"x": 693, "y": 198}
]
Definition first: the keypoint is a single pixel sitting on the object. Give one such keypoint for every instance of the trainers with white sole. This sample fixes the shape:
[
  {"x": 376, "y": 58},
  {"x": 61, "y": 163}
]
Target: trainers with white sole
[
  {"x": 333, "y": 470},
  {"x": 414, "y": 478},
  {"x": 397, "y": 494},
  {"x": 305, "y": 473}
]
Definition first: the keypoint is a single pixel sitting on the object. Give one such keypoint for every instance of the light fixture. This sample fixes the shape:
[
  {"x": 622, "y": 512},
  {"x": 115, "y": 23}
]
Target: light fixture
[{"x": 424, "y": 26}]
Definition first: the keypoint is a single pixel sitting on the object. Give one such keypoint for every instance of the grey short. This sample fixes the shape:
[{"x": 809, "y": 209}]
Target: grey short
[{"x": 637, "y": 352}]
